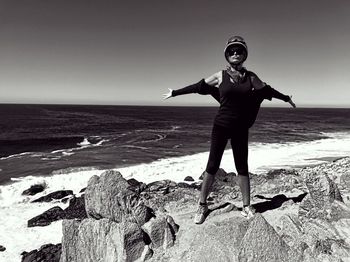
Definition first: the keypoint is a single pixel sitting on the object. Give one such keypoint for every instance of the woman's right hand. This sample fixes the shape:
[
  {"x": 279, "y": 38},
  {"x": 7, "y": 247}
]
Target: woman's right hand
[{"x": 168, "y": 95}]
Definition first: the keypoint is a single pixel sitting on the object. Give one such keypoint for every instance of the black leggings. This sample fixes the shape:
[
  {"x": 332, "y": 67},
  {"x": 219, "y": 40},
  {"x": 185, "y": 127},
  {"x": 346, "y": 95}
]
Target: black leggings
[{"x": 239, "y": 144}]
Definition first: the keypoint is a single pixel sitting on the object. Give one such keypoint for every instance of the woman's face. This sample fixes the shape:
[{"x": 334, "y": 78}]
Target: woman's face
[{"x": 235, "y": 54}]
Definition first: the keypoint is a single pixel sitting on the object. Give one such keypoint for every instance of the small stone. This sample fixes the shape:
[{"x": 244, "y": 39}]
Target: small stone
[
  {"x": 2, "y": 248},
  {"x": 189, "y": 178},
  {"x": 34, "y": 189}
]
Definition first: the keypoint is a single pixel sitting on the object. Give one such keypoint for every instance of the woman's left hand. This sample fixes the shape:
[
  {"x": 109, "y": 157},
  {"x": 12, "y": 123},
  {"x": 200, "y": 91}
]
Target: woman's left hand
[{"x": 291, "y": 102}]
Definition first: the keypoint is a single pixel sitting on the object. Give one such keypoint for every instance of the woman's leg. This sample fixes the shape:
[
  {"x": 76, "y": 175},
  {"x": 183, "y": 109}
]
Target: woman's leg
[
  {"x": 219, "y": 140},
  {"x": 239, "y": 143},
  {"x": 208, "y": 180}
]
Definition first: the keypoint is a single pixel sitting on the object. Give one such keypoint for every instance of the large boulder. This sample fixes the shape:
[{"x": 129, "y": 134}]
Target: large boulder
[
  {"x": 93, "y": 240},
  {"x": 262, "y": 243},
  {"x": 111, "y": 196}
]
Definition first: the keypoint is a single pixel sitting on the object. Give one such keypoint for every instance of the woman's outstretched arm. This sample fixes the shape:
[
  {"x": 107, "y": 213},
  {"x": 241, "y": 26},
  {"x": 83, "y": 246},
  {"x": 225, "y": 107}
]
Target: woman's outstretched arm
[
  {"x": 208, "y": 86},
  {"x": 268, "y": 91}
]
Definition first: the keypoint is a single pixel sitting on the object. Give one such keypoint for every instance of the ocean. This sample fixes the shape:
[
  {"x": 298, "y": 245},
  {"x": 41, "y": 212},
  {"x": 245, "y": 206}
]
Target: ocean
[
  {"x": 64, "y": 145},
  {"x": 41, "y": 139}
]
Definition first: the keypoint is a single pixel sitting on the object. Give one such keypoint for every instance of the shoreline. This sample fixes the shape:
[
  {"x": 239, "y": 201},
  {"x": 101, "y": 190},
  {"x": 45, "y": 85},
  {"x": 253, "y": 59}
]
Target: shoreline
[{"x": 15, "y": 221}]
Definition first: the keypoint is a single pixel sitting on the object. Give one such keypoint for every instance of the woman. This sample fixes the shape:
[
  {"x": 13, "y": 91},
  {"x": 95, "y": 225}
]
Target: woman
[{"x": 240, "y": 93}]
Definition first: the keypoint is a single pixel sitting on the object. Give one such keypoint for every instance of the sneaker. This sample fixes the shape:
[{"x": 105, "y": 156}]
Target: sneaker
[
  {"x": 248, "y": 212},
  {"x": 201, "y": 214}
]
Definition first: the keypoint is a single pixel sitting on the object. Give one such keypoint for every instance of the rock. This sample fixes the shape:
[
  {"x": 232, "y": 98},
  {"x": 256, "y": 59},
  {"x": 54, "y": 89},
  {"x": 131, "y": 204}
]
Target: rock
[
  {"x": 262, "y": 243},
  {"x": 322, "y": 193},
  {"x": 2, "y": 248},
  {"x": 183, "y": 185},
  {"x": 290, "y": 230},
  {"x": 82, "y": 190},
  {"x": 272, "y": 174},
  {"x": 44, "y": 219},
  {"x": 136, "y": 186},
  {"x": 218, "y": 240},
  {"x": 34, "y": 189},
  {"x": 111, "y": 196},
  {"x": 54, "y": 195},
  {"x": 225, "y": 187},
  {"x": 46, "y": 253},
  {"x": 160, "y": 232},
  {"x": 173, "y": 226},
  {"x": 188, "y": 178},
  {"x": 316, "y": 230},
  {"x": 141, "y": 214},
  {"x": 163, "y": 186},
  {"x": 65, "y": 200},
  {"x": 76, "y": 208},
  {"x": 345, "y": 180},
  {"x": 196, "y": 185},
  {"x": 93, "y": 240}
]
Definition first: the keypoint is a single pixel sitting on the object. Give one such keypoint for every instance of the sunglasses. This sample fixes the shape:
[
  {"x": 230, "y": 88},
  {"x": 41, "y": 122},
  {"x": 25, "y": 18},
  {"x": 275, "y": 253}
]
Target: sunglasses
[{"x": 235, "y": 49}]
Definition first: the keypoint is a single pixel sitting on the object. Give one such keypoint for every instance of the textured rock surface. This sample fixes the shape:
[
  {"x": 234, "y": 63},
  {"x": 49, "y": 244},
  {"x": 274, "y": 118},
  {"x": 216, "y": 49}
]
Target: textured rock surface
[
  {"x": 46, "y": 253},
  {"x": 76, "y": 208},
  {"x": 290, "y": 230},
  {"x": 215, "y": 240},
  {"x": 111, "y": 196},
  {"x": 101, "y": 240},
  {"x": 322, "y": 192},
  {"x": 262, "y": 243},
  {"x": 160, "y": 232}
]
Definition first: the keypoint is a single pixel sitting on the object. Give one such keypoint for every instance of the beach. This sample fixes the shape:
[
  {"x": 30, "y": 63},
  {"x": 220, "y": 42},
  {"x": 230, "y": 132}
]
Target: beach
[{"x": 148, "y": 154}]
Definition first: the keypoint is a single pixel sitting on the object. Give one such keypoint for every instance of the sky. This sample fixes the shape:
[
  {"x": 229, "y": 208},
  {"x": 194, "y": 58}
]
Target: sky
[{"x": 131, "y": 52}]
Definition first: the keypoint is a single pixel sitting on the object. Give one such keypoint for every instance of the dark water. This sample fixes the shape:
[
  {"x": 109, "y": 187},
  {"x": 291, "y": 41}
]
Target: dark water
[{"x": 126, "y": 135}]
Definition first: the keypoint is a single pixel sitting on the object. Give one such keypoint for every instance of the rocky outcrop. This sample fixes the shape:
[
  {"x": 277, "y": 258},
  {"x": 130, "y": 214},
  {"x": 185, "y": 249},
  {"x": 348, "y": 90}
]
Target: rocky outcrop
[
  {"x": 131, "y": 221},
  {"x": 120, "y": 226},
  {"x": 34, "y": 189},
  {"x": 46, "y": 253},
  {"x": 54, "y": 195},
  {"x": 111, "y": 196}
]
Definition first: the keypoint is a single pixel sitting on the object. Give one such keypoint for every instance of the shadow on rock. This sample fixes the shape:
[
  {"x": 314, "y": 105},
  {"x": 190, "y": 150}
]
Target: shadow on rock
[{"x": 275, "y": 202}]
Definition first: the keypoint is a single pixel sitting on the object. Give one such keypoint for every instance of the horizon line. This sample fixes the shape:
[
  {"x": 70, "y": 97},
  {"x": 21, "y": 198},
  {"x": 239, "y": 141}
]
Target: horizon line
[{"x": 180, "y": 105}]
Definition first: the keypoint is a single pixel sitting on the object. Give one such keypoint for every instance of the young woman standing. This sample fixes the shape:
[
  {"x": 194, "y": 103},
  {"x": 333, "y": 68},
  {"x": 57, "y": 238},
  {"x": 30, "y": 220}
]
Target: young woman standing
[{"x": 240, "y": 93}]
